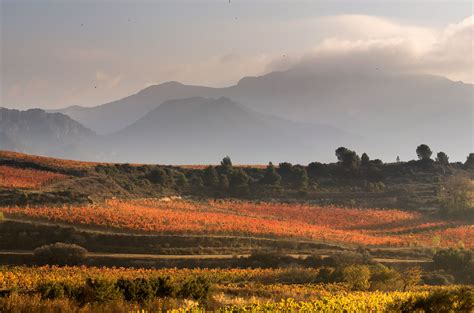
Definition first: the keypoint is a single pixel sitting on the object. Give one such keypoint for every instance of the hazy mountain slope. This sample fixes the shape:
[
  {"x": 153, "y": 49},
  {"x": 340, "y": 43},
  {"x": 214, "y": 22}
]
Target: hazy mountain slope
[
  {"x": 393, "y": 111},
  {"x": 202, "y": 130},
  {"x": 36, "y": 131},
  {"x": 116, "y": 115}
]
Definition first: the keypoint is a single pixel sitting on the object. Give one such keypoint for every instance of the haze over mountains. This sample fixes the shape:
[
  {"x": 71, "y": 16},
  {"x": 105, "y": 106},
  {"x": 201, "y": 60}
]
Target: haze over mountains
[
  {"x": 296, "y": 115},
  {"x": 392, "y": 112}
]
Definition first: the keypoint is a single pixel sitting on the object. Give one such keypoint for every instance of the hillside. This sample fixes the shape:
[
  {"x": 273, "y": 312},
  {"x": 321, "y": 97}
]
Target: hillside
[
  {"x": 195, "y": 130},
  {"x": 387, "y": 109},
  {"x": 40, "y": 132}
]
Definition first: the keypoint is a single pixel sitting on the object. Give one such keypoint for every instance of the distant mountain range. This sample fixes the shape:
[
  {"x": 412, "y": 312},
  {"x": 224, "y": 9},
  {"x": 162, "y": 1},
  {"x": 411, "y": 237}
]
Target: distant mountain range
[
  {"x": 186, "y": 130},
  {"x": 297, "y": 115},
  {"x": 183, "y": 131}
]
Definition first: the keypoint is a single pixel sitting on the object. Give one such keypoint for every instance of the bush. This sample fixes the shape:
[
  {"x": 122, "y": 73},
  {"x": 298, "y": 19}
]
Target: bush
[
  {"x": 453, "y": 259},
  {"x": 437, "y": 279},
  {"x": 164, "y": 287},
  {"x": 137, "y": 290},
  {"x": 196, "y": 289},
  {"x": 55, "y": 290},
  {"x": 60, "y": 254},
  {"x": 98, "y": 290},
  {"x": 444, "y": 300},
  {"x": 385, "y": 279},
  {"x": 356, "y": 276}
]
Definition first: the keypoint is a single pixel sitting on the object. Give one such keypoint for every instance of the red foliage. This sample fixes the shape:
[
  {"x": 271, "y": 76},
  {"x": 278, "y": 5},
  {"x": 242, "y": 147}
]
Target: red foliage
[{"x": 328, "y": 224}]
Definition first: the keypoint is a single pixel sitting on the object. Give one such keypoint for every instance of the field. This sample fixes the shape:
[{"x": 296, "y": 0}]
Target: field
[
  {"x": 233, "y": 290},
  {"x": 132, "y": 237},
  {"x": 13, "y": 177},
  {"x": 328, "y": 224}
]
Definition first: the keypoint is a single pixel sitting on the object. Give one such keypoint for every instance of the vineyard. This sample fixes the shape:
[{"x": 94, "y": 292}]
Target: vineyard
[
  {"x": 329, "y": 224},
  {"x": 13, "y": 177},
  {"x": 234, "y": 290}
]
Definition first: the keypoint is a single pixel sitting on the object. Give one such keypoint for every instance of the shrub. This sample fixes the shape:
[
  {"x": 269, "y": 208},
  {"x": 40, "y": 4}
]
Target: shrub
[
  {"x": 443, "y": 300},
  {"x": 54, "y": 290},
  {"x": 356, "y": 276},
  {"x": 385, "y": 279},
  {"x": 437, "y": 279},
  {"x": 164, "y": 287},
  {"x": 196, "y": 288},
  {"x": 60, "y": 254},
  {"x": 137, "y": 290},
  {"x": 98, "y": 290}
]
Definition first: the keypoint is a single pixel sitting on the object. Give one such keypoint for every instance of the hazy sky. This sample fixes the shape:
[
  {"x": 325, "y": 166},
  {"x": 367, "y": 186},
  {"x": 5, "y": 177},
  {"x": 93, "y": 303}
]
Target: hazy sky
[{"x": 60, "y": 53}]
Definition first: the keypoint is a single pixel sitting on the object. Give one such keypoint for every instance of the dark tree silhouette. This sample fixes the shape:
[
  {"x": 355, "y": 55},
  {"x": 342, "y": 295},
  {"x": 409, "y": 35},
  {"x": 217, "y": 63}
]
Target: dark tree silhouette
[
  {"x": 348, "y": 158},
  {"x": 364, "y": 159},
  {"x": 470, "y": 161},
  {"x": 442, "y": 158},
  {"x": 423, "y": 152},
  {"x": 271, "y": 176},
  {"x": 210, "y": 177}
]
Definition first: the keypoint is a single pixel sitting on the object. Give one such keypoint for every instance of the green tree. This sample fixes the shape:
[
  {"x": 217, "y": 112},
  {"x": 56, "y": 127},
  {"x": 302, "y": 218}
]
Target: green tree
[
  {"x": 457, "y": 195},
  {"x": 348, "y": 158},
  {"x": 271, "y": 177},
  {"x": 299, "y": 177},
  {"x": 384, "y": 278},
  {"x": 356, "y": 276},
  {"x": 223, "y": 182},
  {"x": 239, "y": 179},
  {"x": 469, "y": 161},
  {"x": 210, "y": 177},
  {"x": 180, "y": 179},
  {"x": 442, "y": 158},
  {"x": 159, "y": 176},
  {"x": 226, "y": 162},
  {"x": 364, "y": 160},
  {"x": 423, "y": 152}
]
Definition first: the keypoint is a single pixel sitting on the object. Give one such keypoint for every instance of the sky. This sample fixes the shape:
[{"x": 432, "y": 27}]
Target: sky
[{"x": 60, "y": 53}]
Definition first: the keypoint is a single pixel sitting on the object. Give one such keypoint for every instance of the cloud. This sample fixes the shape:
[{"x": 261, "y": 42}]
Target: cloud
[
  {"x": 107, "y": 80},
  {"x": 363, "y": 44}
]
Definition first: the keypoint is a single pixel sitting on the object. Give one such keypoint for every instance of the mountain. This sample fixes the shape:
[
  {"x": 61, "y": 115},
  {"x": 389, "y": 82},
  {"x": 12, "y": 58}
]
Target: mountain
[
  {"x": 201, "y": 130},
  {"x": 394, "y": 112},
  {"x": 36, "y": 131},
  {"x": 113, "y": 116}
]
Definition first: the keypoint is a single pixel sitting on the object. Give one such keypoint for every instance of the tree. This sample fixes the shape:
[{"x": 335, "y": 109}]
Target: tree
[
  {"x": 316, "y": 169},
  {"x": 223, "y": 182},
  {"x": 285, "y": 169},
  {"x": 469, "y": 161},
  {"x": 442, "y": 158},
  {"x": 348, "y": 158},
  {"x": 423, "y": 152},
  {"x": 457, "y": 195},
  {"x": 356, "y": 276},
  {"x": 410, "y": 277},
  {"x": 398, "y": 159},
  {"x": 340, "y": 153},
  {"x": 239, "y": 179},
  {"x": 159, "y": 176},
  {"x": 271, "y": 176},
  {"x": 181, "y": 180},
  {"x": 299, "y": 177},
  {"x": 226, "y": 162},
  {"x": 210, "y": 177},
  {"x": 364, "y": 159}
]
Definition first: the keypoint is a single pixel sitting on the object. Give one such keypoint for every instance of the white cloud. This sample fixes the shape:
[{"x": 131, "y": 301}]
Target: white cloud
[{"x": 365, "y": 43}]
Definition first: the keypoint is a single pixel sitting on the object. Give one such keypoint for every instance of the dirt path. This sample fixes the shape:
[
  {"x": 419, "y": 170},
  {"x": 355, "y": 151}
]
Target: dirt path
[{"x": 202, "y": 256}]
